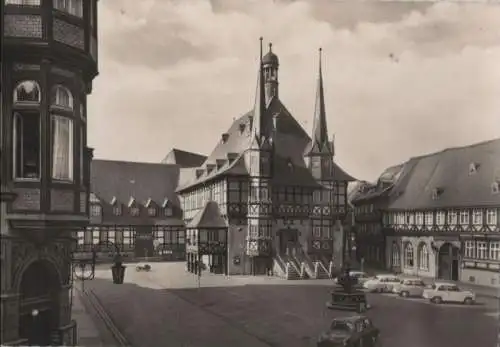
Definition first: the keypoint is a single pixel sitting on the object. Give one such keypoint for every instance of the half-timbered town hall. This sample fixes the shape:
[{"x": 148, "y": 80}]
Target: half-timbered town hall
[{"x": 269, "y": 198}]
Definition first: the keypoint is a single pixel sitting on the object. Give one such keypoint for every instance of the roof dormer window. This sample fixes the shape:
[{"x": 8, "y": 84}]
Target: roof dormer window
[
  {"x": 436, "y": 193},
  {"x": 132, "y": 205},
  {"x": 131, "y": 202},
  {"x": 495, "y": 187},
  {"x": 117, "y": 210},
  {"x": 113, "y": 201},
  {"x": 473, "y": 167},
  {"x": 224, "y": 137},
  {"x": 242, "y": 128}
]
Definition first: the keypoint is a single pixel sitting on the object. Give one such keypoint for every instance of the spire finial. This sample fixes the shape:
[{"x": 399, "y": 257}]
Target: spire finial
[
  {"x": 320, "y": 56},
  {"x": 270, "y": 46},
  {"x": 261, "y": 38}
]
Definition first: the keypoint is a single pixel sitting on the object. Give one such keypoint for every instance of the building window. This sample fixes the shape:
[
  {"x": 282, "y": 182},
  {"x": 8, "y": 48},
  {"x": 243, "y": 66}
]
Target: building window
[
  {"x": 152, "y": 211},
  {"x": 27, "y": 92},
  {"x": 423, "y": 257},
  {"x": 452, "y": 217},
  {"x": 419, "y": 218},
  {"x": 134, "y": 211},
  {"x": 469, "y": 249},
  {"x": 410, "y": 218},
  {"x": 117, "y": 210},
  {"x": 491, "y": 217},
  {"x": 464, "y": 217},
  {"x": 168, "y": 211},
  {"x": 477, "y": 217},
  {"x": 429, "y": 220},
  {"x": 440, "y": 218},
  {"x": 408, "y": 255},
  {"x": 396, "y": 255},
  {"x": 495, "y": 250},
  {"x": 482, "y": 250},
  {"x": 26, "y": 139},
  {"x": 62, "y": 148},
  {"x": 73, "y": 7},
  {"x": 95, "y": 236},
  {"x": 95, "y": 210},
  {"x": 23, "y": 2},
  {"x": 317, "y": 232}
]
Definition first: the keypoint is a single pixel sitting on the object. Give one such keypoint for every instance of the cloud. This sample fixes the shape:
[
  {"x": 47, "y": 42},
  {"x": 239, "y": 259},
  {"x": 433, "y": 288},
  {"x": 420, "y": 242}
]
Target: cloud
[{"x": 401, "y": 79}]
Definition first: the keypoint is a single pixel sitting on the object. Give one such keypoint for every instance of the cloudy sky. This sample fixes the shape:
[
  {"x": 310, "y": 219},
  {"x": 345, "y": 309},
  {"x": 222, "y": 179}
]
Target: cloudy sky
[{"x": 401, "y": 79}]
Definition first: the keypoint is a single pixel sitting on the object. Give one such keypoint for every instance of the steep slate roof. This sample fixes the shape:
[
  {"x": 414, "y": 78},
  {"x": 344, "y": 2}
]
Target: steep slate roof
[
  {"x": 208, "y": 217},
  {"x": 448, "y": 171},
  {"x": 290, "y": 142},
  {"x": 183, "y": 158},
  {"x": 142, "y": 181}
]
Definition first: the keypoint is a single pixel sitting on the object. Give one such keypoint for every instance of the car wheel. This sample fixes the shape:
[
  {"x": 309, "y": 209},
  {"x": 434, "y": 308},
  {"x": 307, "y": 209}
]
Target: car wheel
[
  {"x": 436, "y": 300},
  {"x": 468, "y": 301},
  {"x": 405, "y": 294}
]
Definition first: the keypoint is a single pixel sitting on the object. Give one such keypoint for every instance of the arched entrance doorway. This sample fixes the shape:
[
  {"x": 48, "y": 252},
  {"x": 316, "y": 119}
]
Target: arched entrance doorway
[
  {"x": 38, "y": 316},
  {"x": 448, "y": 262}
]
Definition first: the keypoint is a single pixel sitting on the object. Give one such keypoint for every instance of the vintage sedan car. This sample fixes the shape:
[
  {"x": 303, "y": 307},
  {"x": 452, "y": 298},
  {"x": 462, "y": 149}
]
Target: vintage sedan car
[
  {"x": 448, "y": 292},
  {"x": 381, "y": 283},
  {"x": 409, "y": 287},
  {"x": 351, "y": 331},
  {"x": 360, "y": 276}
]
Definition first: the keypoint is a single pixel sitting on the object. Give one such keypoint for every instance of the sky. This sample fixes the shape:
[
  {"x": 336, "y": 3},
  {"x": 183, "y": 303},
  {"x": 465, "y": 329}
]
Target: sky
[{"x": 401, "y": 79}]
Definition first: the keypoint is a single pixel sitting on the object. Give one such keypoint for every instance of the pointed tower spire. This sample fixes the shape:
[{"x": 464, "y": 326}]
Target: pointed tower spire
[
  {"x": 320, "y": 134},
  {"x": 258, "y": 128}
]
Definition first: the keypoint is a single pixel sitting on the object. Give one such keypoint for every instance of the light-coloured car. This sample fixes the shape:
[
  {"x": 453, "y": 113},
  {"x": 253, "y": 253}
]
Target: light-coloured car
[
  {"x": 381, "y": 283},
  {"x": 448, "y": 292},
  {"x": 409, "y": 287},
  {"x": 361, "y": 276}
]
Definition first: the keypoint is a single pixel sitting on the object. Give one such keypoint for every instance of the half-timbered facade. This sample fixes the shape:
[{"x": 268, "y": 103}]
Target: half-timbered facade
[
  {"x": 49, "y": 61},
  {"x": 442, "y": 215},
  {"x": 279, "y": 191},
  {"x": 134, "y": 206}
]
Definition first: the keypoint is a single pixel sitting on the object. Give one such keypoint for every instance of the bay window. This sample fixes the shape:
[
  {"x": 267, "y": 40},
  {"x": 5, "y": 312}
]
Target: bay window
[
  {"x": 26, "y": 131},
  {"x": 62, "y": 148},
  {"x": 73, "y": 7},
  {"x": 62, "y": 133}
]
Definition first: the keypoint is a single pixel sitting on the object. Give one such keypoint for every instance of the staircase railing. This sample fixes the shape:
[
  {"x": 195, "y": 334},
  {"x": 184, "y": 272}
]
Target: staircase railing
[
  {"x": 323, "y": 267},
  {"x": 307, "y": 266}
]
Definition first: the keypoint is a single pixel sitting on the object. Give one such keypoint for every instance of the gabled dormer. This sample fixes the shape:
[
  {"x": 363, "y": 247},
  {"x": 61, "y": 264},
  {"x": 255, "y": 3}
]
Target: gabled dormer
[
  {"x": 473, "y": 167},
  {"x": 95, "y": 205},
  {"x": 437, "y": 192},
  {"x": 151, "y": 207},
  {"x": 133, "y": 207},
  {"x": 495, "y": 187},
  {"x": 116, "y": 206},
  {"x": 167, "y": 208}
]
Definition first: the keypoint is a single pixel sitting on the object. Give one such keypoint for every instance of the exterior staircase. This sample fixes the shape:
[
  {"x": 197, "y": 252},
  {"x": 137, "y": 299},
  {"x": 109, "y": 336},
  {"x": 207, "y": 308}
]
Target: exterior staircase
[
  {"x": 320, "y": 271},
  {"x": 285, "y": 267}
]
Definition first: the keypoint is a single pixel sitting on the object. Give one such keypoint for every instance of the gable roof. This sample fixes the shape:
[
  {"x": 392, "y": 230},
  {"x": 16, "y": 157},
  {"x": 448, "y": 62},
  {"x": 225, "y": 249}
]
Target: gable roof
[
  {"x": 448, "y": 171},
  {"x": 208, "y": 217},
  {"x": 290, "y": 141},
  {"x": 184, "y": 159},
  {"x": 141, "y": 181}
]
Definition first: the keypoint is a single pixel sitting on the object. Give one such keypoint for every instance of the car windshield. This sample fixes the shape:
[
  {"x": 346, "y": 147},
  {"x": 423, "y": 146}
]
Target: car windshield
[{"x": 339, "y": 326}]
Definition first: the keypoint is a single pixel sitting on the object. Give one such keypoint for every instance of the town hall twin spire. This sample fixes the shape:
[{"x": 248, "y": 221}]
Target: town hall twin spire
[{"x": 267, "y": 89}]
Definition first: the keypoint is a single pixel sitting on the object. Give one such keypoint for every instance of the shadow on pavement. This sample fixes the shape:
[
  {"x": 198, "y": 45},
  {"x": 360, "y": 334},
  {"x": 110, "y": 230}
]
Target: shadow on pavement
[{"x": 274, "y": 315}]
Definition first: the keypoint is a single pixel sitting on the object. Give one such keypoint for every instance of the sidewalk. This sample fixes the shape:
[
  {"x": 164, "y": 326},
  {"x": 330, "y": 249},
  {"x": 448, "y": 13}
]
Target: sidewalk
[{"x": 87, "y": 333}]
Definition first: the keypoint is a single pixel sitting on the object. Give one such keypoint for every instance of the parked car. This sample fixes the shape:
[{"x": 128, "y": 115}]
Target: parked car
[
  {"x": 409, "y": 287},
  {"x": 360, "y": 276},
  {"x": 381, "y": 283},
  {"x": 448, "y": 292},
  {"x": 351, "y": 331}
]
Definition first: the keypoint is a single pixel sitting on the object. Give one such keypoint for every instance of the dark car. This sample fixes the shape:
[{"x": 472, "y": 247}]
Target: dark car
[{"x": 351, "y": 331}]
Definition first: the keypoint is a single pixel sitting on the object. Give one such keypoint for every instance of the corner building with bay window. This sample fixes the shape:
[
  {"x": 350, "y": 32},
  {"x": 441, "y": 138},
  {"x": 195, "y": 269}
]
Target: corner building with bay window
[{"x": 49, "y": 60}]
